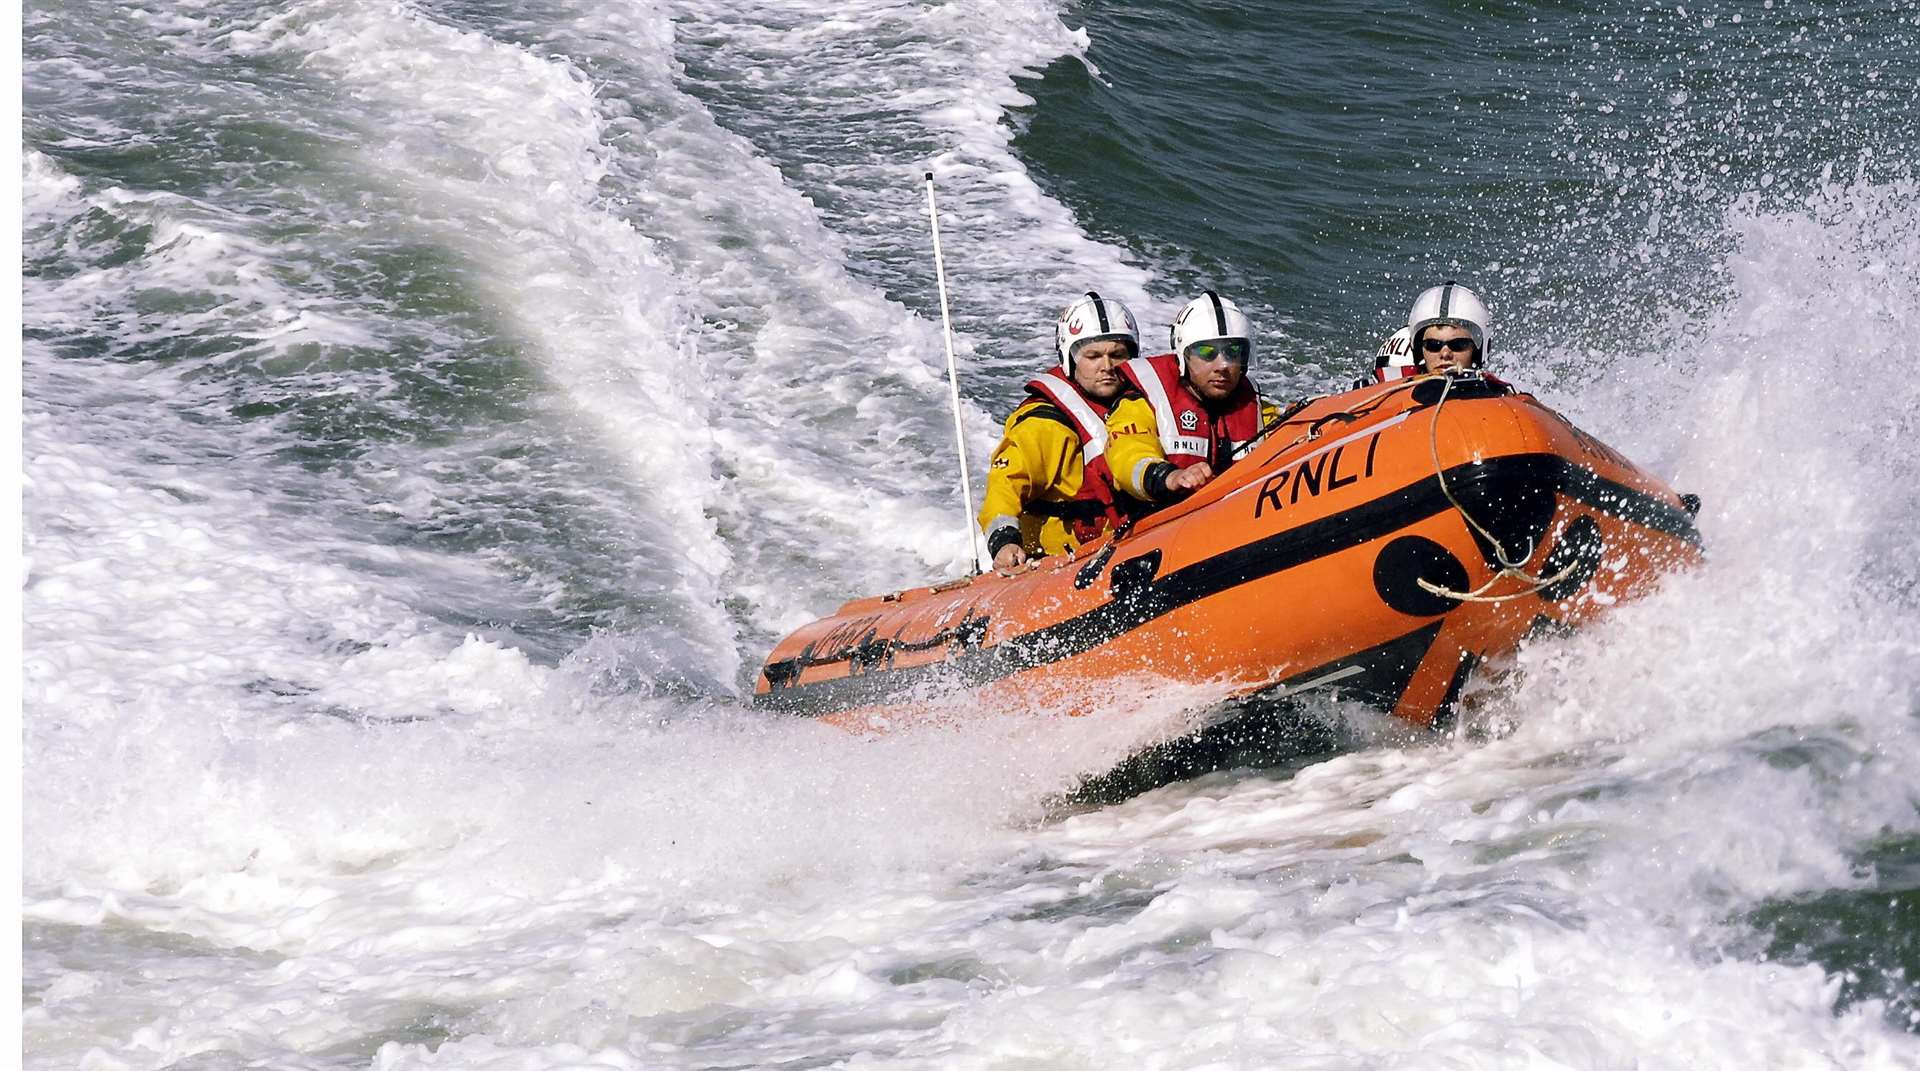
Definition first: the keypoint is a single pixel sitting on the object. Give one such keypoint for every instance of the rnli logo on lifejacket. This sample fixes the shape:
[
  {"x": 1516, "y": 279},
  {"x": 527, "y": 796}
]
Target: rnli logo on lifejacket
[{"x": 1189, "y": 420}]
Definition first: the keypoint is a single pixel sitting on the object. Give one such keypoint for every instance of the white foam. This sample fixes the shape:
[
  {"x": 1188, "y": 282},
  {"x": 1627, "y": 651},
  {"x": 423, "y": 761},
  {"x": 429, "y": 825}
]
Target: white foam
[
  {"x": 292, "y": 818},
  {"x": 904, "y": 88},
  {"x": 835, "y": 439},
  {"x": 246, "y": 734},
  {"x": 755, "y": 334},
  {"x": 502, "y": 154},
  {"x": 1568, "y": 891}
]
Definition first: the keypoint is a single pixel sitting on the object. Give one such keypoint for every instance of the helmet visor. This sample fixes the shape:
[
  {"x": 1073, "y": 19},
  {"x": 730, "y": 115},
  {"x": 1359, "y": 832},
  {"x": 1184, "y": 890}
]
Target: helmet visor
[{"x": 1232, "y": 350}]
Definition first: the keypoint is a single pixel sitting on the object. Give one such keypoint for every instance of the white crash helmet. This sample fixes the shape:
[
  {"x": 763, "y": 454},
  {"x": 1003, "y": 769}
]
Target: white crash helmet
[
  {"x": 1092, "y": 319},
  {"x": 1395, "y": 359},
  {"x": 1207, "y": 318},
  {"x": 1450, "y": 303}
]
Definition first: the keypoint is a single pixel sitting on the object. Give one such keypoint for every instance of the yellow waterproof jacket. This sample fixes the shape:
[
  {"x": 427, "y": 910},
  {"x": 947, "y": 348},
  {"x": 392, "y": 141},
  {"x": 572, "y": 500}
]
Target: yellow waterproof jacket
[
  {"x": 1038, "y": 460},
  {"x": 1133, "y": 443}
]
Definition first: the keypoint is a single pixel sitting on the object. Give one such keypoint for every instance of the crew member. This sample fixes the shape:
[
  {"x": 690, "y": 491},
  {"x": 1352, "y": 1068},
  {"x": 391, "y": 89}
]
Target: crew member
[
  {"x": 1048, "y": 489},
  {"x": 1184, "y": 416},
  {"x": 1393, "y": 362},
  {"x": 1448, "y": 327}
]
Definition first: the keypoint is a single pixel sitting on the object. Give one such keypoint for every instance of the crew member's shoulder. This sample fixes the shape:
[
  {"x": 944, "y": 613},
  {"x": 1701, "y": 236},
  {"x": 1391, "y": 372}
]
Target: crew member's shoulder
[
  {"x": 1131, "y": 415},
  {"x": 1038, "y": 413}
]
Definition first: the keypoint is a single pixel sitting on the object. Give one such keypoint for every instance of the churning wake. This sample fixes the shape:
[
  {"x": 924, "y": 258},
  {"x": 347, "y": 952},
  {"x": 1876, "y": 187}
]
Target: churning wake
[{"x": 433, "y": 412}]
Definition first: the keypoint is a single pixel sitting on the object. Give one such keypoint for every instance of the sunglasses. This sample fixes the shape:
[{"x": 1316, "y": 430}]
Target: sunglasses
[
  {"x": 1236, "y": 350},
  {"x": 1457, "y": 345}
]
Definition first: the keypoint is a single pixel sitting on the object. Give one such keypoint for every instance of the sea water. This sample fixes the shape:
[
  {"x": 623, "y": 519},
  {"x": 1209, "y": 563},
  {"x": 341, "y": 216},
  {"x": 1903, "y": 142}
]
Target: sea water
[{"x": 434, "y": 411}]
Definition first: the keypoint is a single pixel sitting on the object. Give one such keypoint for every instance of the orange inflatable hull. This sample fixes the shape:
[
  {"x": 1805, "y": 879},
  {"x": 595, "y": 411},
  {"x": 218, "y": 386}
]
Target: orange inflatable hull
[{"x": 1333, "y": 556}]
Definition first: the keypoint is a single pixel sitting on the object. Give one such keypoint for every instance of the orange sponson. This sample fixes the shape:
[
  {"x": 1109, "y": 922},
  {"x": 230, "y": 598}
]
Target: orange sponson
[{"x": 1332, "y": 556}]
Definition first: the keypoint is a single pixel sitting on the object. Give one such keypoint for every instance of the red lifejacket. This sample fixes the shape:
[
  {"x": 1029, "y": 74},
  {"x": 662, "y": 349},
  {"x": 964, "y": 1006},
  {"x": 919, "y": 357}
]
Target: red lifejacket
[
  {"x": 1189, "y": 432},
  {"x": 1095, "y": 507}
]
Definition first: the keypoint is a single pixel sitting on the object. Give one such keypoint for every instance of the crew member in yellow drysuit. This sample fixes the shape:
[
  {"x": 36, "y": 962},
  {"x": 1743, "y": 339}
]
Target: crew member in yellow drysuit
[{"x": 1048, "y": 489}]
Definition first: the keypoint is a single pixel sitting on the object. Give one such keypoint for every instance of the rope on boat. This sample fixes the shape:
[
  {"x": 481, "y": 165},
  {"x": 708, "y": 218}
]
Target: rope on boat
[
  {"x": 1509, "y": 567},
  {"x": 1313, "y": 430}
]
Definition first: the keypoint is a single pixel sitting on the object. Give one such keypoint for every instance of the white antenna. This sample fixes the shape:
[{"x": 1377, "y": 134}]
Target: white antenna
[{"x": 953, "y": 379}]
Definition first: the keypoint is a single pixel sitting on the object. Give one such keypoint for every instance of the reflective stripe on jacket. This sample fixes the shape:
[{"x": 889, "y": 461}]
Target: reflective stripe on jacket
[{"x": 1160, "y": 420}]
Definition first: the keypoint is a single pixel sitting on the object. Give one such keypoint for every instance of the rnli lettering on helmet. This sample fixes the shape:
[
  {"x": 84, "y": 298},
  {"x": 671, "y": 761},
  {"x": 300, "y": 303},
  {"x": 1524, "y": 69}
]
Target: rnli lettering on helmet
[
  {"x": 1188, "y": 420},
  {"x": 1328, "y": 471}
]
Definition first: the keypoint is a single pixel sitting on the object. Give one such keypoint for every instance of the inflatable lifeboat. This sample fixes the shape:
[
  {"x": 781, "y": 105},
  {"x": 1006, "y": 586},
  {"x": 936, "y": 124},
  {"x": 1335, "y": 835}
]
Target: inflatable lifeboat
[{"x": 1383, "y": 543}]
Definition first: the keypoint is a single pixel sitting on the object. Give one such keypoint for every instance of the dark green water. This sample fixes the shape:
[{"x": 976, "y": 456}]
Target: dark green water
[
  {"x": 1870, "y": 937},
  {"x": 1572, "y": 161}
]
